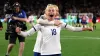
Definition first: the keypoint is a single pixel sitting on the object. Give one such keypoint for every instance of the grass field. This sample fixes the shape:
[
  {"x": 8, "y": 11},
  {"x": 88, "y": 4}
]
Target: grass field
[{"x": 73, "y": 43}]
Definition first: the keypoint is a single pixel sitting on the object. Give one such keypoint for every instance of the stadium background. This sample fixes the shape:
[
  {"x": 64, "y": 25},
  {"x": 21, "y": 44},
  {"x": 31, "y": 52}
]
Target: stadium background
[
  {"x": 73, "y": 43},
  {"x": 66, "y": 6}
]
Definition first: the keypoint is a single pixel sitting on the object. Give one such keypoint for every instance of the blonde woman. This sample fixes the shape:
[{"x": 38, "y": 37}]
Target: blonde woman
[{"x": 43, "y": 21}]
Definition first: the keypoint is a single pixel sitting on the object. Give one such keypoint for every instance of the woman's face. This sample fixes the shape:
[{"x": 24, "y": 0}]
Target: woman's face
[{"x": 51, "y": 12}]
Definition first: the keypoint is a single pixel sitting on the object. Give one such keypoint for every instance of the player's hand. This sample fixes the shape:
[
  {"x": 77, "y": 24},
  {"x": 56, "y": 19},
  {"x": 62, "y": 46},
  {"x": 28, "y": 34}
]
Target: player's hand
[
  {"x": 57, "y": 22},
  {"x": 29, "y": 20},
  {"x": 18, "y": 30},
  {"x": 1, "y": 28}
]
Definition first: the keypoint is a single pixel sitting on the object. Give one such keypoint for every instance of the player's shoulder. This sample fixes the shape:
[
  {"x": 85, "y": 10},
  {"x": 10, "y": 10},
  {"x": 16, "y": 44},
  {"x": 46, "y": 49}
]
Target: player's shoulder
[
  {"x": 38, "y": 25},
  {"x": 42, "y": 17},
  {"x": 22, "y": 11}
]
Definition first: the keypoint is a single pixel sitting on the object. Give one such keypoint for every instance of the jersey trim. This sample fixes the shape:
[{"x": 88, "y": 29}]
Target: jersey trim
[
  {"x": 65, "y": 25},
  {"x": 34, "y": 28}
]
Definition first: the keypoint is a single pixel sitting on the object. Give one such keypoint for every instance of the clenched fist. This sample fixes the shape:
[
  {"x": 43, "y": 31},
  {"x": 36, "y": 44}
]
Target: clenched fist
[{"x": 18, "y": 30}]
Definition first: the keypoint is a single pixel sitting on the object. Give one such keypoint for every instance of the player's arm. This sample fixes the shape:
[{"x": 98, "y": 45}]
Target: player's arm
[
  {"x": 20, "y": 19},
  {"x": 43, "y": 21},
  {"x": 76, "y": 28},
  {"x": 46, "y": 22},
  {"x": 23, "y": 19},
  {"x": 29, "y": 32}
]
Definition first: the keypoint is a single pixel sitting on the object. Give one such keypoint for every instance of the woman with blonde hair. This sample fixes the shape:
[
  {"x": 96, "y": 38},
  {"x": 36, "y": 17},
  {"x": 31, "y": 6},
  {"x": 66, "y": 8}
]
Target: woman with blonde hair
[{"x": 43, "y": 21}]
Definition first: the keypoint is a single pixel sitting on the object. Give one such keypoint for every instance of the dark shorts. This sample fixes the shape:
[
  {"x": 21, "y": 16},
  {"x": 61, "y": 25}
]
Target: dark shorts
[
  {"x": 14, "y": 36},
  {"x": 78, "y": 22},
  {"x": 36, "y": 54},
  {"x": 52, "y": 55},
  {"x": 94, "y": 22}
]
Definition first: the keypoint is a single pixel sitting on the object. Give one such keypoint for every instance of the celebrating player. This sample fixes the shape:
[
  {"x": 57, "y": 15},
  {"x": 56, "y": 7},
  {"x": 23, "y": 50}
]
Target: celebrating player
[
  {"x": 42, "y": 20},
  {"x": 50, "y": 39}
]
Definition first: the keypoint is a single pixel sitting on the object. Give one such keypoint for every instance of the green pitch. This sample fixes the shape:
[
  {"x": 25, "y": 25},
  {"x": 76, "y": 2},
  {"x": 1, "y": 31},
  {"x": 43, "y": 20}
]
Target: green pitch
[{"x": 73, "y": 43}]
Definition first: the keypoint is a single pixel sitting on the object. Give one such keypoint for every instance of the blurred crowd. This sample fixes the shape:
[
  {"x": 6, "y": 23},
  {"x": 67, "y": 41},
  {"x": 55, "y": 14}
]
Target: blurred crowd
[{"x": 37, "y": 7}]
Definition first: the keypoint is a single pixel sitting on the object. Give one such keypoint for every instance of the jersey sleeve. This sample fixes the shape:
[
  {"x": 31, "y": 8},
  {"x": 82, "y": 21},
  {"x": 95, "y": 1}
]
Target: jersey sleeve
[
  {"x": 71, "y": 28},
  {"x": 45, "y": 22},
  {"x": 31, "y": 31},
  {"x": 42, "y": 17},
  {"x": 24, "y": 14}
]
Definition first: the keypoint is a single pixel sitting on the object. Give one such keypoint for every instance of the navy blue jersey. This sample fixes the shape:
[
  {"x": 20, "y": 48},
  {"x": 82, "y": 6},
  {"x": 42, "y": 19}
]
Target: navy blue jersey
[{"x": 21, "y": 14}]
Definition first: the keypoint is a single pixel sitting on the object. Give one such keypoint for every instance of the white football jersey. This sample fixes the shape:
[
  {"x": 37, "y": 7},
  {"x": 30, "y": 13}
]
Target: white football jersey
[
  {"x": 50, "y": 38},
  {"x": 38, "y": 42},
  {"x": 38, "y": 39}
]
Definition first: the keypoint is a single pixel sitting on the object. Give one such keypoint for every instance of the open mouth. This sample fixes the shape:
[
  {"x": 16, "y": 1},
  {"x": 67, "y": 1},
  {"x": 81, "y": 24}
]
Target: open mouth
[{"x": 51, "y": 15}]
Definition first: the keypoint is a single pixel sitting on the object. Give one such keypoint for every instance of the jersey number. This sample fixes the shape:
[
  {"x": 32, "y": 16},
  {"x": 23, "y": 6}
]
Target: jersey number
[{"x": 53, "y": 31}]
